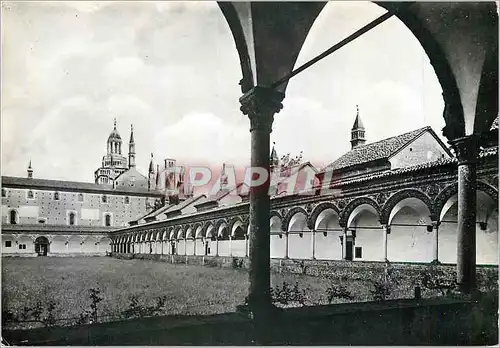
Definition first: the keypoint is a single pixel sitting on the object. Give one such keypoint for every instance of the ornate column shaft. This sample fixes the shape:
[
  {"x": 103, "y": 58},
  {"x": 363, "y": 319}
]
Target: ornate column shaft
[
  {"x": 466, "y": 149},
  {"x": 260, "y": 104}
]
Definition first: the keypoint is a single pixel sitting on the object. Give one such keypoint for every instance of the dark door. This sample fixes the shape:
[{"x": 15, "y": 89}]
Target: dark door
[{"x": 348, "y": 250}]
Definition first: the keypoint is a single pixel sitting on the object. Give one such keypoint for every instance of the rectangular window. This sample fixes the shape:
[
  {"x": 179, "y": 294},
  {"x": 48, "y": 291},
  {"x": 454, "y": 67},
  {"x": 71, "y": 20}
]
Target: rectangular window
[
  {"x": 30, "y": 194},
  {"x": 4, "y": 192},
  {"x": 358, "y": 253},
  {"x": 8, "y": 243},
  {"x": 80, "y": 197},
  {"x": 104, "y": 199},
  {"x": 127, "y": 200},
  {"x": 56, "y": 196},
  {"x": 22, "y": 246}
]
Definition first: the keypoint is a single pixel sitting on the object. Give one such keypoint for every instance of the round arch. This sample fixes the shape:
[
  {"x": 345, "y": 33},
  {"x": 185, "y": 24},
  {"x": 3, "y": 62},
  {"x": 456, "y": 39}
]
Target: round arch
[
  {"x": 402, "y": 198},
  {"x": 355, "y": 206},
  {"x": 313, "y": 220},
  {"x": 291, "y": 214}
]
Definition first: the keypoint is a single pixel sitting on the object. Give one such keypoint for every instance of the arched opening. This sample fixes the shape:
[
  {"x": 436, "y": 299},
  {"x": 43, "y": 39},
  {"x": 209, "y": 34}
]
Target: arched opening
[
  {"x": 238, "y": 241},
  {"x": 299, "y": 237},
  {"x": 486, "y": 230},
  {"x": 327, "y": 243},
  {"x": 42, "y": 246},
  {"x": 190, "y": 241},
  {"x": 210, "y": 240},
  {"x": 13, "y": 217},
  {"x": 223, "y": 240},
  {"x": 410, "y": 239},
  {"x": 107, "y": 220},
  {"x": 278, "y": 243},
  {"x": 364, "y": 237},
  {"x": 72, "y": 217}
]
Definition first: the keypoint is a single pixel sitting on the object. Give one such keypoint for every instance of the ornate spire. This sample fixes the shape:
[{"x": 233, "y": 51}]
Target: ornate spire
[
  {"x": 151, "y": 165},
  {"x": 131, "y": 148},
  {"x": 131, "y": 134},
  {"x": 114, "y": 126}
]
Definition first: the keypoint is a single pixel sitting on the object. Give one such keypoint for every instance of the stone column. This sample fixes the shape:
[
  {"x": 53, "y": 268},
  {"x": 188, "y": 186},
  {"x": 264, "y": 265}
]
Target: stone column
[
  {"x": 286, "y": 243},
  {"x": 260, "y": 104},
  {"x": 435, "y": 228},
  {"x": 217, "y": 246},
  {"x": 344, "y": 244},
  {"x": 194, "y": 246},
  {"x": 466, "y": 150},
  {"x": 246, "y": 245},
  {"x": 313, "y": 244},
  {"x": 230, "y": 246},
  {"x": 385, "y": 232}
]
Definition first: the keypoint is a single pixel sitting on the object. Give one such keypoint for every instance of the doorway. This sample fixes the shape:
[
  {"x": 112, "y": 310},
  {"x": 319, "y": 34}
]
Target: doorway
[{"x": 42, "y": 246}]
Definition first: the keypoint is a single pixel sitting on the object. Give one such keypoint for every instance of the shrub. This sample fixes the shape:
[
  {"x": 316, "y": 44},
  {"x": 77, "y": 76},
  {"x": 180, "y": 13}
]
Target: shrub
[
  {"x": 288, "y": 295},
  {"x": 382, "y": 289},
  {"x": 91, "y": 316},
  {"x": 237, "y": 263},
  {"x": 338, "y": 291},
  {"x": 435, "y": 279},
  {"x": 137, "y": 310}
]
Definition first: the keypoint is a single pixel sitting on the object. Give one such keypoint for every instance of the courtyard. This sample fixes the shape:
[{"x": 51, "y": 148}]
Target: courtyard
[{"x": 186, "y": 289}]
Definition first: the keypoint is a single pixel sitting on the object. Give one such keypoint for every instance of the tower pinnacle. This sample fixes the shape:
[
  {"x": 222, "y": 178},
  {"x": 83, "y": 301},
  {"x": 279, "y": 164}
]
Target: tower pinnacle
[
  {"x": 357, "y": 131},
  {"x": 131, "y": 148},
  {"x": 30, "y": 171}
]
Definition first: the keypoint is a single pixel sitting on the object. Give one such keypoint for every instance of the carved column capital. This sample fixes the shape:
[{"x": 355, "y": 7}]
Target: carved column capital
[
  {"x": 260, "y": 104},
  {"x": 466, "y": 149}
]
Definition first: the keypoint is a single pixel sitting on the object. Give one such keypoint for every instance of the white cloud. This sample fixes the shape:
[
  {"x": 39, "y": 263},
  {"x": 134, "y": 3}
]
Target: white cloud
[{"x": 203, "y": 138}]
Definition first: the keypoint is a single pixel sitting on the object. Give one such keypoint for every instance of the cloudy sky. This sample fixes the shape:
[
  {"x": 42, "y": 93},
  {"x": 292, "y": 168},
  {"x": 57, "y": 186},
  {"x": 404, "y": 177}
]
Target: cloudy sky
[{"x": 172, "y": 70}]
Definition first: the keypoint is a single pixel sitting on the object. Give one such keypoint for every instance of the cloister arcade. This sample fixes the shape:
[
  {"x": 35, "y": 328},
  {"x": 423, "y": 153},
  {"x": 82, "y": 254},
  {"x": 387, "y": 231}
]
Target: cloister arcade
[{"x": 409, "y": 226}]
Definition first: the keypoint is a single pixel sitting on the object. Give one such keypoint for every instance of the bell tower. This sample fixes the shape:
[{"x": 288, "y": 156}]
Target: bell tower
[{"x": 357, "y": 131}]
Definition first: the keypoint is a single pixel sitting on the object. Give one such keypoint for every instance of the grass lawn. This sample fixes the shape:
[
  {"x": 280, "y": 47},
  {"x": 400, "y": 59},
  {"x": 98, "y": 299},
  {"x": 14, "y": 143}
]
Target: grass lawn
[{"x": 188, "y": 289}]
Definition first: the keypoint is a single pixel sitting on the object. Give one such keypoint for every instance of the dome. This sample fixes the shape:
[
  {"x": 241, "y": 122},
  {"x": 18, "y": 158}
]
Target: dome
[{"x": 115, "y": 135}]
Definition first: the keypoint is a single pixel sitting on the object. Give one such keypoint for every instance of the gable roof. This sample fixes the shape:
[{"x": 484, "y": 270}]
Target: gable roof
[
  {"x": 379, "y": 150},
  {"x": 183, "y": 204}
]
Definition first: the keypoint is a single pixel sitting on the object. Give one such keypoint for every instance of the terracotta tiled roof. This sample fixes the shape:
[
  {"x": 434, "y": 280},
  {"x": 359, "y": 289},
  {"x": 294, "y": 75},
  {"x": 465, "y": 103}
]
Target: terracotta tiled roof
[
  {"x": 375, "y": 151},
  {"x": 18, "y": 182}
]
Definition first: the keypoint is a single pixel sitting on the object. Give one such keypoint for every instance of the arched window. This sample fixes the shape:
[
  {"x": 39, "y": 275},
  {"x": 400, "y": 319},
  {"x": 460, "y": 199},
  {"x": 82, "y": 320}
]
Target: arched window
[
  {"x": 56, "y": 196},
  {"x": 4, "y": 193},
  {"x": 104, "y": 198},
  {"x": 72, "y": 218},
  {"x": 107, "y": 220},
  {"x": 13, "y": 217},
  {"x": 80, "y": 197},
  {"x": 127, "y": 200},
  {"x": 30, "y": 194}
]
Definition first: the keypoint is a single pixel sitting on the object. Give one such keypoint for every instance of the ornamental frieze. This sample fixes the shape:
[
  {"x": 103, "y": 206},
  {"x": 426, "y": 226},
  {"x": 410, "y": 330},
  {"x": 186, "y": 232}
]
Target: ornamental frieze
[{"x": 381, "y": 198}]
